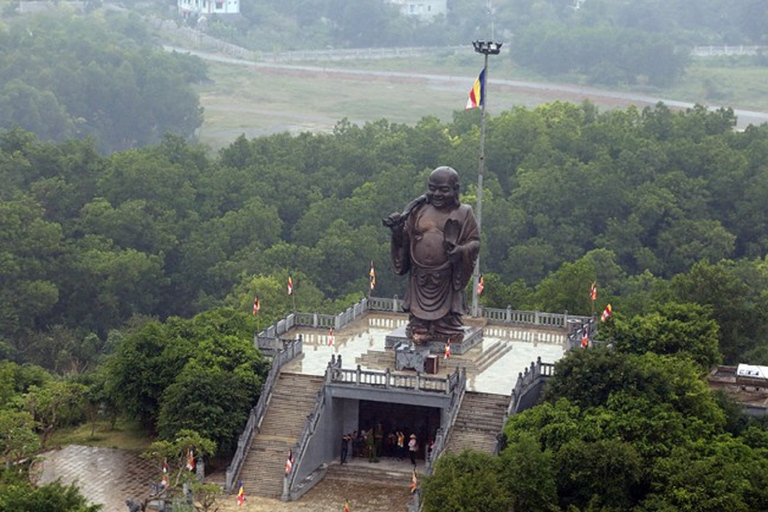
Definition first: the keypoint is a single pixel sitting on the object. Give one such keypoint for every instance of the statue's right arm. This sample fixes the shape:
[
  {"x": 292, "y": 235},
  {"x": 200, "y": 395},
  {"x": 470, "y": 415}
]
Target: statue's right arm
[
  {"x": 399, "y": 249},
  {"x": 396, "y": 222}
]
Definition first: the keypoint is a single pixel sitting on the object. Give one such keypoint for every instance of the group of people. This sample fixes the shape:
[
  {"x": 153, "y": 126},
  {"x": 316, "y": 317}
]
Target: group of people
[{"x": 373, "y": 443}]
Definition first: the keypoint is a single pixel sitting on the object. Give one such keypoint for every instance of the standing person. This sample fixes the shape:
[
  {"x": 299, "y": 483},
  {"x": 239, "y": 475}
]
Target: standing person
[
  {"x": 369, "y": 445},
  {"x": 378, "y": 439},
  {"x": 357, "y": 444},
  {"x": 400, "y": 445},
  {"x": 344, "y": 447},
  {"x": 413, "y": 448}
]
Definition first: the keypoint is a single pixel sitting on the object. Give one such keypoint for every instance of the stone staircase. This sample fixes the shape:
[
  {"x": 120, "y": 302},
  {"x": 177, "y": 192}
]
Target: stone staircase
[
  {"x": 293, "y": 399},
  {"x": 491, "y": 355},
  {"x": 480, "y": 419}
]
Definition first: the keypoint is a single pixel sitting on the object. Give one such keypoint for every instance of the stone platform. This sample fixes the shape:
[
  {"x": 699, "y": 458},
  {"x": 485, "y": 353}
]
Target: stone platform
[{"x": 472, "y": 336}]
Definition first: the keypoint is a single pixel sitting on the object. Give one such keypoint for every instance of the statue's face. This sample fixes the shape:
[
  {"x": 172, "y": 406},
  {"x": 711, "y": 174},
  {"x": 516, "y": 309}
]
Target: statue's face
[{"x": 443, "y": 188}]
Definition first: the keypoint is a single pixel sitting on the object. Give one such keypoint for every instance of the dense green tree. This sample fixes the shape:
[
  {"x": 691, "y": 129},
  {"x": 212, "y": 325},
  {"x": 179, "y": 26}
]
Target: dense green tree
[
  {"x": 601, "y": 473},
  {"x": 528, "y": 474},
  {"x": 55, "y": 497},
  {"x": 628, "y": 199},
  {"x": 590, "y": 377},
  {"x": 203, "y": 373},
  {"x": 736, "y": 295},
  {"x": 716, "y": 475},
  {"x": 552, "y": 423},
  {"x": 28, "y": 247},
  {"x": 18, "y": 439},
  {"x": 54, "y": 405},
  {"x": 77, "y": 76},
  {"x": 176, "y": 452},
  {"x": 686, "y": 330},
  {"x": 567, "y": 289},
  {"x": 465, "y": 482},
  {"x": 213, "y": 401}
]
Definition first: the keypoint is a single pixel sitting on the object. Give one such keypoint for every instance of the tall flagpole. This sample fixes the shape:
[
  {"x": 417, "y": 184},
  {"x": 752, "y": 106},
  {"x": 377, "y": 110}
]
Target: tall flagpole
[{"x": 486, "y": 48}]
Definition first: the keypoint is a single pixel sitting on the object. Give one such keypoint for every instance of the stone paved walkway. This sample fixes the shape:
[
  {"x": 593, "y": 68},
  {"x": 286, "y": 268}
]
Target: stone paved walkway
[
  {"x": 110, "y": 477},
  {"x": 104, "y": 475}
]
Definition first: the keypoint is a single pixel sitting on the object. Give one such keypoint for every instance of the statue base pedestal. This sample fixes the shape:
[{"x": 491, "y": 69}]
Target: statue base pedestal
[{"x": 472, "y": 336}]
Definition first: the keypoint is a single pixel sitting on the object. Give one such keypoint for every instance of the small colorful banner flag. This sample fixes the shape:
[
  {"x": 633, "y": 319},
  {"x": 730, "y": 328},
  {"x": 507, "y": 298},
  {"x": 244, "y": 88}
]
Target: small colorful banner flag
[
  {"x": 447, "y": 349},
  {"x": 164, "y": 479},
  {"x": 414, "y": 482},
  {"x": 480, "y": 284},
  {"x": 606, "y": 313},
  {"x": 289, "y": 462},
  {"x": 241, "y": 495},
  {"x": 331, "y": 337},
  {"x": 372, "y": 277},
  {"x": 290, "y": 285},
  {"x": 585, "y": 337},
  {"x": 477, "y": 93},
  {"x": 256, "y": 304},
  {"x": 346, "y": 505},
  {"x": 190, "y": 460},
  {"x": 593, "y": 292}
]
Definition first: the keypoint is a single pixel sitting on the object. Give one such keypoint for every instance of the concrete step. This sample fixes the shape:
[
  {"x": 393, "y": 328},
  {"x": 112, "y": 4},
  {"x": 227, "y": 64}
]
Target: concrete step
[
  {"x": 489, "y": 357},
  {"x": 388, "y": 472}
]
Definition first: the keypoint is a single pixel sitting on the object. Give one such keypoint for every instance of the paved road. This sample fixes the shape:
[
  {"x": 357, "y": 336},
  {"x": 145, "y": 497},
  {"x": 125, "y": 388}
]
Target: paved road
[{"x": 553, "y": 90}]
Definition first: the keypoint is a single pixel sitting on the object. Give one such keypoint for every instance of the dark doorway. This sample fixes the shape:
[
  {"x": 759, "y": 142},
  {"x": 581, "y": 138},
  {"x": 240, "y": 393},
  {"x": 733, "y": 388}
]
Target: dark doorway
[{"x": 390, "y": 417}]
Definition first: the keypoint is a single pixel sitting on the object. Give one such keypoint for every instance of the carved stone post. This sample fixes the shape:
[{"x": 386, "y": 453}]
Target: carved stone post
[{"x": 286, "y": 490}]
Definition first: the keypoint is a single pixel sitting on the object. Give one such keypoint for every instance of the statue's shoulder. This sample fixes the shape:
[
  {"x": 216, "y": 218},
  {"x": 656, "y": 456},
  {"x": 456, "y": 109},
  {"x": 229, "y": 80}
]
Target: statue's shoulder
[{"x": 465, "y": 210}]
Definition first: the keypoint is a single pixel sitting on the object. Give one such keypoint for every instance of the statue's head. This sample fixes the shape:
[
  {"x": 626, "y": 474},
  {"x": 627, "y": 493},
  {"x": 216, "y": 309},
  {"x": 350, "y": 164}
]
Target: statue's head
[{"x": 443, "y": 187}]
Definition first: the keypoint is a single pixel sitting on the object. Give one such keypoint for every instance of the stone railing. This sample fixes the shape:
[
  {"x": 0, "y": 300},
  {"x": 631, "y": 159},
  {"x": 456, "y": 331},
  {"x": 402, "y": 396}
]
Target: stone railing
[
  {"x": 270, "y": 336},
  {"x": 256, "y": 417},
  {"x": 458, "y": 386},
  {"x": 513, "y": 316},
  {"x": 578, "y": 329},
  {"x": 720, "y": 51},
  {"x": 292, "y": 480},
  {"x": 388, "y": 380},
  {"x": 527, "y": 382},
  {"x": 394, "y": 305}
]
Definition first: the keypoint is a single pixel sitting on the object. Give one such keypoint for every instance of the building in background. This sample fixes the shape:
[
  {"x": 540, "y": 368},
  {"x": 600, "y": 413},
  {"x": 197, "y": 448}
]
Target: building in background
[
  {"x": 197, "y": 8},
  {"x": 423, "y": 9}
]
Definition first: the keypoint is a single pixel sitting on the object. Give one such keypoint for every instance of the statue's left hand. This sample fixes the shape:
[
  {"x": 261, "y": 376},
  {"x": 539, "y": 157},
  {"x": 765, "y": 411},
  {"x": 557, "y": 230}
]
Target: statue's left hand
[{"x": 453, "y": 251}]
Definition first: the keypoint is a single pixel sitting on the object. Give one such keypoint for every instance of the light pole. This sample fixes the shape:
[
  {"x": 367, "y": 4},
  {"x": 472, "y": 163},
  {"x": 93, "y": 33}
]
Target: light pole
[{"x": 486, "y": 48}]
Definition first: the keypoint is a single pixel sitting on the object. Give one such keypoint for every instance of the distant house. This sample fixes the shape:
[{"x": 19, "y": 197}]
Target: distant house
[
  {"x": 423, "y": 9},
  {"x": 197, "y": 8}
]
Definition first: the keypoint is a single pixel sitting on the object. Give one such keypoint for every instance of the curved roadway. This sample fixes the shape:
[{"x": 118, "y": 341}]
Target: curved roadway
[{"x": 745, "y": 117}]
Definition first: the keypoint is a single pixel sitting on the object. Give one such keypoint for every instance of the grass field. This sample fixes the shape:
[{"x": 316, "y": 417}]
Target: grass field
[
  {"x": 257, "y": 101},
  {"x": 125, "y": 436}
]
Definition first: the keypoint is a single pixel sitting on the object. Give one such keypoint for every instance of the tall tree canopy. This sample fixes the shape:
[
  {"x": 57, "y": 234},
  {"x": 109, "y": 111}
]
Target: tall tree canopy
[
  {"x": 626, "y": 198},
  {"x": 70, "y": 76}
]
